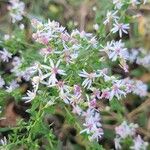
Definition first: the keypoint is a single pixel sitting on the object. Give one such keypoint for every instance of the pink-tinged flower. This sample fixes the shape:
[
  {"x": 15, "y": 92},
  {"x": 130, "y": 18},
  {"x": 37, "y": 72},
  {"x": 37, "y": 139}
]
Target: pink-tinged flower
[
  {"x": 65, "y": 37},
  {"x": 116, "y": 90},
  {"x": 128, "y": 84},
  {"x": 92, "y": 103},
  {"x": 90, "y": 77},
  {"x": 82, "y": 34},
  {"x": 5, "y": 55},
  {"x": 139, "y": 144},
  {"x": 36, "y": 24},
  {"x": 52, "y": 71},
  {"x": 125, "y": 130},
  {"x": 110, "y": 16},
  {"x": 12, "y": 86},
  {"x": 92, "y": 124},
  {"x": 69, "y": 54},
  {"x": 95, "y": 94},
  {"x": 2, "y": 82},
  {"x": 105, "y": 94},
  {"x": 122, "y": 28},
  {"x": 77, "y": 90},
  {"x": 46, "y": 51},
  {"x": 30, "y": 96}
]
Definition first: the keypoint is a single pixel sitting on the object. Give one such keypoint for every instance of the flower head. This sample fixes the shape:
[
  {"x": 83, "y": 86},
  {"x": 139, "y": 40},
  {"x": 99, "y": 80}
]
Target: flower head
[
  {"x": 90, "y": 77},
  {"x": 52, "y": 71},
  {"x": 5, "y": 55},
  {"x": 122, "y": 28}
]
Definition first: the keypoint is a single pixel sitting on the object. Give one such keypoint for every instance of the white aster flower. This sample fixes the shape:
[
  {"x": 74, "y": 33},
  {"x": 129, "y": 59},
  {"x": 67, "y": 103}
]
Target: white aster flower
[
  {"x": 120, "y": 27},
  {"x": 126, "y": 129},
  {"x": 118, "y": 4},
  {"x": 96, "y": 26},
  {"x": 30, "y": 96},
  {"x": 90, "y": 77},
  {"x": 117, "y": 90},
  {"x": 3, "y": 141},
  {"x": 16, "y": 10},
  {"x": 52, "y": 71},
  {"x": 116, "y": 50},
  {"x": 5, "y": 55},
  {"x": 139, "y": 144},
  {"x": 110, "y": 16}
]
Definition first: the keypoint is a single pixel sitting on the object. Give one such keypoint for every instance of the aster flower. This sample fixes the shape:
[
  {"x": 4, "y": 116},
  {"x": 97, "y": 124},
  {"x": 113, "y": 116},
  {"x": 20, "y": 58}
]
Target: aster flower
[
  {"x": 46, "y": 32},
  {"x": 133, "y": 54},
  {"x": 3, "y": 141},
  {"x": 116, "y": 50},
  {"x": 96, "y": 93},
  {"x": 90, "y": 77},
  {"x": 128, "y": 84},
  {"x": 62, "y": 87},
  {"x": 16, "y": 62},
  {"x": 96, "y": 26},
  {"x": 69, "y": 54},
  {"x": 53, "y": 70},
  {"x": 2, "y": 82},
  {"x": 105, "y": 94},
  {"x": 140, "y": 88},
  {"x": 92, "y": 124},
  {"x": 77, "y": 110},
  {"x": 144, "y": 61},
  {"x": 126, "y": 129},
  {"x": 30, "y": 96},
  {"x": 110, "y": 16},
  {"x": 77, "y": 90},
  {"x": 139, "y": 144},
  {"x": 5, "y": 55},
  {"x": 12, "y": 86},
  {"x": 118, "y": 4},
  {"x": 16, "y": 10},
  {"x": 116, "y": 90},
  {"x": 122, "y": 28}
]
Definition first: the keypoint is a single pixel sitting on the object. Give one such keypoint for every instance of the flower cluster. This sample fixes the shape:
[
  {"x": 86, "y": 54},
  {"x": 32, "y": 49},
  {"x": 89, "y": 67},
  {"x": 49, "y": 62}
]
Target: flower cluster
[
  {"x": 79, "y": 86},
  {"x": 16, "y": 10},
  {"x": 126, "y": 130},
  {"x": 54, "y": 73}
]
